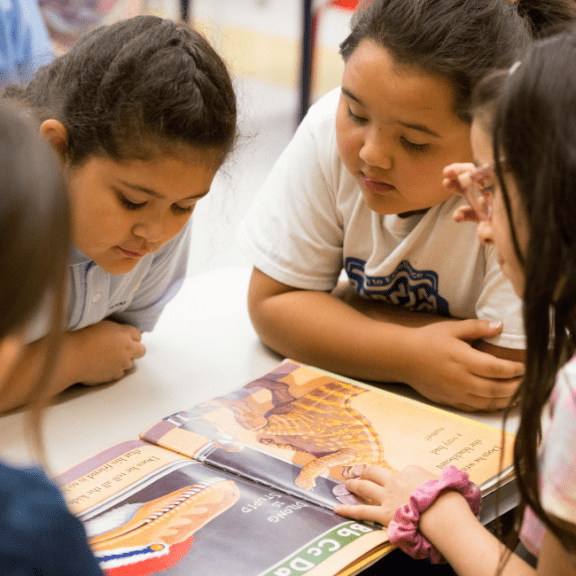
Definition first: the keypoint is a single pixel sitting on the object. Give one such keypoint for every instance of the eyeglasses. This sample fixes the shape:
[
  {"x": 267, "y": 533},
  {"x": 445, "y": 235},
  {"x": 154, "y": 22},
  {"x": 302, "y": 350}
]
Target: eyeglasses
[{"x": 478, "y": 186}]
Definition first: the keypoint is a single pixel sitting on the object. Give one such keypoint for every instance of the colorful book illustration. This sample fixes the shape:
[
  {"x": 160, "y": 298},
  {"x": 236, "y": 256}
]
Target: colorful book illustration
[{"x": 244, "y": 484}]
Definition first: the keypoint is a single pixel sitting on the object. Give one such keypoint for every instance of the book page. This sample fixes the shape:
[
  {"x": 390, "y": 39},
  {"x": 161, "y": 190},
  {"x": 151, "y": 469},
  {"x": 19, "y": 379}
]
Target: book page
[
  {"x": 147, "y": 510},
  {"x": 304, "y": 431}
]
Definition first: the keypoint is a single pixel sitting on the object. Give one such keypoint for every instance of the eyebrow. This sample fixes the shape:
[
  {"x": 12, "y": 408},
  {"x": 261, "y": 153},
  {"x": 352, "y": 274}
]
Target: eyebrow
[
  {"x": 352, "y": 97},
  {"x": 419, "y": 127},
  {"x": 157, "y": 194}
]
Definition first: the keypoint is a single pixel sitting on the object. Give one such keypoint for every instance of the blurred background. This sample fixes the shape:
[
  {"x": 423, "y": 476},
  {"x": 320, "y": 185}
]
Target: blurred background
[{"x": 266, "y": 43}]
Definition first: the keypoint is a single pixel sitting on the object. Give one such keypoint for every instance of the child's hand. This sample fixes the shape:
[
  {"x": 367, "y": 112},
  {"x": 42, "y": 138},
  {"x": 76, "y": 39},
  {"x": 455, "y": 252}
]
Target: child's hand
[
  {"x": 104, "y": 351},
  {"x": 384, "y": 491},
  {"x": 448, "y": 370},
  {"x": 455, "y": 180},
  {"x": 465, "y": 214},
  {"x": 455, "y": 176}
]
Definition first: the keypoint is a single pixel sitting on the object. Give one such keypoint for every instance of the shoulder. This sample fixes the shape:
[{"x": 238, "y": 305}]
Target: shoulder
[
  {"x": 29, "y": 501},
  {"x": 559, "y": 452},
  {"x": 314, "y": 145},
  {"x": 324, "y": 109},
  {"x": 320, "y": 121},
  {"x": 439, "y": 222},
  {"x": 41, "y": 529},
  {"x": 16, "y": 482},
  {"x": 459, "y": 237},
  {"x": 563, "y": 398}
]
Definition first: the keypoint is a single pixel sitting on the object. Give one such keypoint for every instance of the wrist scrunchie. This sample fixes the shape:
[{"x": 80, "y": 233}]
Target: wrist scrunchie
[{"x": 403, "y": 529}]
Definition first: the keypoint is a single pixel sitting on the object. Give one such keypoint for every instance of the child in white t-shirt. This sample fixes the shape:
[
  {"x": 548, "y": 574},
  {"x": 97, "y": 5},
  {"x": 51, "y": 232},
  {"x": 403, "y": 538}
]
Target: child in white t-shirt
[{"x": 359, "y": 189}]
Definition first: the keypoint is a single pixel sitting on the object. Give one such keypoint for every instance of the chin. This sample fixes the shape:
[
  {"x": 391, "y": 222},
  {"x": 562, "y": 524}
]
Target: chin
[
  {"x": 118, "y": 267},
  {"x": 380, "y": 205}
]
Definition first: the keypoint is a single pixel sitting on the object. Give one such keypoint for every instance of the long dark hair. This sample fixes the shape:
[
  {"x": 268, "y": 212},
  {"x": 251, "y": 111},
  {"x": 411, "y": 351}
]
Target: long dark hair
[
  {"x": 459, "y": 40},
  {"x": 35, "y": 240},
  {"x": 135, "y": 88},
  {"x": 531, "y": 116},
  {"x": 535, "y": 130}
]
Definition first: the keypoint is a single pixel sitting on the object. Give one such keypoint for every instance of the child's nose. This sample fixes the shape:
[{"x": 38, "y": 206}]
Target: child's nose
[
  {"x": 374, "y": 151},
  {"x": 484, "y": 232},
  {"x": 152, "y": 230}
]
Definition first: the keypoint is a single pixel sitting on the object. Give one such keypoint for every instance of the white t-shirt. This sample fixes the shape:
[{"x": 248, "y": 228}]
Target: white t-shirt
[{"x": 309, "y": 222}]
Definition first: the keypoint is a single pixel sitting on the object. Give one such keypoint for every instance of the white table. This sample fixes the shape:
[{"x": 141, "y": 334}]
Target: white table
[{"x": 203, "y": 346}]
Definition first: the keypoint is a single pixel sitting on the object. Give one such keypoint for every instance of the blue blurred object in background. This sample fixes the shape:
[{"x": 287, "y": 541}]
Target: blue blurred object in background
[{"x": 24, "y": 42}]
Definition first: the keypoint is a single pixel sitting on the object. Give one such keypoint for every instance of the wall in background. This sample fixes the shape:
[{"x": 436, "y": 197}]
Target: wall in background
[{"x": 260, "y": 39}]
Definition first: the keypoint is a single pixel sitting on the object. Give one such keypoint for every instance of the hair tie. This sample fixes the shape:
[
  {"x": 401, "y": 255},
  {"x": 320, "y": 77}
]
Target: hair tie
[{"x": 403, "y": 529}]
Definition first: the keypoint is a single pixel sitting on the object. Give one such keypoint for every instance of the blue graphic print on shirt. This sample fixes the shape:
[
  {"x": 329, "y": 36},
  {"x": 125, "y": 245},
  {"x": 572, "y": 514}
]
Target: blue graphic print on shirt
[{"x": 414, "y": 289}]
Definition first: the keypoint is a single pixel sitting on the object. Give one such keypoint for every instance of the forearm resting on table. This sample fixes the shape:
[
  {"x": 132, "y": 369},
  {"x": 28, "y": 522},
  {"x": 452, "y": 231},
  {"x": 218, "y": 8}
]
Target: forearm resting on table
[
  {"x": 385, "y": 312},
  {"x": 321, "y": 329},
  {"x": 342, "y": 332},
  {"x": 434, "y": 355},
  {"x": 30, "y": 368}
]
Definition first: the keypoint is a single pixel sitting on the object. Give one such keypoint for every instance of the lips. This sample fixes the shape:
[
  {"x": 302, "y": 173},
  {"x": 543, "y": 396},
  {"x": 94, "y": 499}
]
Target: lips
[
  {"x": 375, "y": 186},
  {"x": 131, "y": 254}
]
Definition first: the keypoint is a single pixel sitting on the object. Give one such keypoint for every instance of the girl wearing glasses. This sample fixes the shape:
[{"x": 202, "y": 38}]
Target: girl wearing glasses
[
  {"x": 522, "y": 195},
  {"x": 358, "y": 189}
]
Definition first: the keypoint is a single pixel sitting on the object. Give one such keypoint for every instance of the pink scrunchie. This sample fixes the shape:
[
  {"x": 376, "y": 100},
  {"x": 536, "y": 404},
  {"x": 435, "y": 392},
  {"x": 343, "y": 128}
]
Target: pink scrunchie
[{"x": 403, "y": 529}]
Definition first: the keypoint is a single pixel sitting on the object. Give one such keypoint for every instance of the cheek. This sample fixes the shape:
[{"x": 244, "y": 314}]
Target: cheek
[
  {"x": 505, "y": 248},
  {"x": 98, "y": 226},
  {"x": 349, "y": 151},
  {"x": 177, "y": 224},
  {"x": 421, "y": 177},
  {"x": 92, "y": 210},
  {"x": 347, "y": 140}
]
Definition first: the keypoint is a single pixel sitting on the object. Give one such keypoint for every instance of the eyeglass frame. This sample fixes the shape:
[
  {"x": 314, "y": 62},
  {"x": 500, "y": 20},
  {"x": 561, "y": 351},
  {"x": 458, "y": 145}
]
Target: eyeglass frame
[{"x": 482, "y": 206}]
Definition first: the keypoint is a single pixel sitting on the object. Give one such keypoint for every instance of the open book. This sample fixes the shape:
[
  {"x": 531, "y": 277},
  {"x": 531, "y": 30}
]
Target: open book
[{"x": 244, "y": 484}]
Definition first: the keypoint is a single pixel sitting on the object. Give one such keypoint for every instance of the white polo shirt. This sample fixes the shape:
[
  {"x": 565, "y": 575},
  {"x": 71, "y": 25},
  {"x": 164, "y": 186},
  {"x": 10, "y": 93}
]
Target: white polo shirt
[{"x": 136, "y": 298}]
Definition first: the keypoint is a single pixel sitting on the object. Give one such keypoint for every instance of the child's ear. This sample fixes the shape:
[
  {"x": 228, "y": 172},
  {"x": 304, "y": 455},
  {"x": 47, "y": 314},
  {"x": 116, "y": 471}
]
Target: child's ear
[{"x": 56, "y": 135}]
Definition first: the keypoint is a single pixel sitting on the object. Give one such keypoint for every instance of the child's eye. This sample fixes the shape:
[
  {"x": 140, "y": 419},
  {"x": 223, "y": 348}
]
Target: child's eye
[
  {"x": 179, "y": 210},
  {"x": 357, "y": 119},
  {"x": 130, "y": 205},
  {"x": 412, "y": 147}
]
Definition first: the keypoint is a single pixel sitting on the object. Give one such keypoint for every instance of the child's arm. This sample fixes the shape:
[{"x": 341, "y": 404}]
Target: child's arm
[
  {"x": 383, "y": 311},
  {"x": 449, "y": 525},
  {"x": 431, "y": 354},
  {"x": 93, "y": 355}
]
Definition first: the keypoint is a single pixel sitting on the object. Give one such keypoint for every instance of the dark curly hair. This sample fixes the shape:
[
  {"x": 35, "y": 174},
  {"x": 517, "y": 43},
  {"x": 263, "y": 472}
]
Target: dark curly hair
[
  {"x": 138, "y": 87},
  {"x": 459, "y": 40}
]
